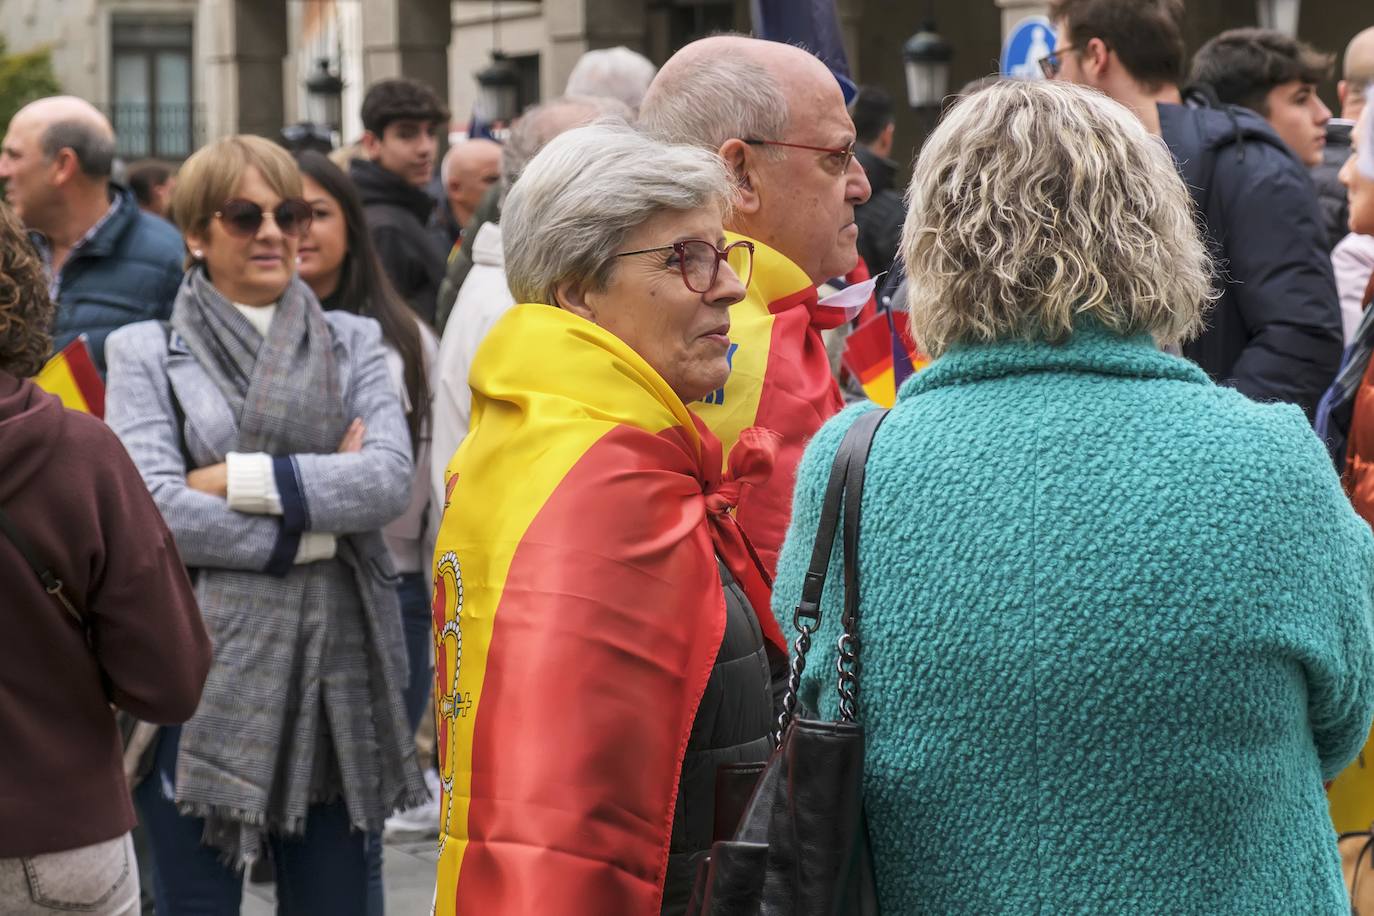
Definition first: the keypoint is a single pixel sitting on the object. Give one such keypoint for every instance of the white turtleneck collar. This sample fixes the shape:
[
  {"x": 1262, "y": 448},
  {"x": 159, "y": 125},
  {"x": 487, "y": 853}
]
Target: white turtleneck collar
[{"x": 259, "y": 316}]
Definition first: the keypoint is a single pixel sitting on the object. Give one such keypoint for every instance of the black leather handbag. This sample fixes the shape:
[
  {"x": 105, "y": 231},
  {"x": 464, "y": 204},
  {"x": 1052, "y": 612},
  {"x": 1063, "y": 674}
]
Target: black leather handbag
[{"x": 801, "y": 844}]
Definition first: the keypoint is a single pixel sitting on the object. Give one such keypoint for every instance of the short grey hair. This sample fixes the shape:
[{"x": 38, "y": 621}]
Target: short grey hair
[
  {"x": 616, "y": 73},
  {"x": 587, "y": 190},
  {"x": 94, "y": 148},
  {"x": 541, "y": 123},
  {"x": 710, "y": 99},
  {"x": 1034, "y": 203}
]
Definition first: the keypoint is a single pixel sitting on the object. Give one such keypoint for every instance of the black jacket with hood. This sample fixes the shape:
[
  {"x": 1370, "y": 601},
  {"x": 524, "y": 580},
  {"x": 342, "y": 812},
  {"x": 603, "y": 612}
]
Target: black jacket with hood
[
  {"x": 879, "y": 218},
  {"x": 1275, "y": 333},
  {"x": 400, "y": 220},
  {"x": 68, "y": 485}
]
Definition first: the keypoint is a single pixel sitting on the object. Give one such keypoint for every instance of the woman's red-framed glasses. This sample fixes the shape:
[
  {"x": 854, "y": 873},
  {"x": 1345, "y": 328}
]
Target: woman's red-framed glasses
[
  {"x": 699, "y": 261},
  {"x": 243, "y": 218},
  {"x": 842, "y": 154}
]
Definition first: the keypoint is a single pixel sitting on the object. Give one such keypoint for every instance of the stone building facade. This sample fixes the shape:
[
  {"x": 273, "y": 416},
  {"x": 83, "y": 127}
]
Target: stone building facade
[{"x": 175, "y": 73}]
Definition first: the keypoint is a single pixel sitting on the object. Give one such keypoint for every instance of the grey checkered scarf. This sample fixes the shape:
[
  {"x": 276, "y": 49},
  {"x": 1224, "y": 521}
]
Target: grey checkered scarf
[{"x": 303, "y": 702}]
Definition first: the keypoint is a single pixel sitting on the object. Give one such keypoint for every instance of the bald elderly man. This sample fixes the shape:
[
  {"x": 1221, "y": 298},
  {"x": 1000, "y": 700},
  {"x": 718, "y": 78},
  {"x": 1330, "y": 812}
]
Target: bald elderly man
[
  {"x": 1357, "y": 70},
  {"x": 1352, "y": 259},
  {"x": 109, "y": 263},
  {"x": 469, "y": 169},
  {"x": 776, "y": 116}
]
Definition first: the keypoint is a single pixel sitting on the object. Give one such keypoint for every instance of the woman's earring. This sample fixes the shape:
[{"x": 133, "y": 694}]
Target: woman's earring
[{"x": 197, "y": 254}]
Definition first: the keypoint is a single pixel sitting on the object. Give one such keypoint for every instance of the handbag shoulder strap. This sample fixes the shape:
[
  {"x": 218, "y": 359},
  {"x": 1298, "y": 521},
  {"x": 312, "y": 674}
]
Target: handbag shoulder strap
[
  {"x": 860, "y": 441},
  {"x": 51, "y": 583},
  {"x": 841, "y": 493}
]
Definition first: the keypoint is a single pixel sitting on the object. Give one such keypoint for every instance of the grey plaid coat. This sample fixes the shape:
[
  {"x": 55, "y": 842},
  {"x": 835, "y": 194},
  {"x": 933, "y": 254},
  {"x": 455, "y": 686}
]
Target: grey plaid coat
[{"x": 350, "y": 495}]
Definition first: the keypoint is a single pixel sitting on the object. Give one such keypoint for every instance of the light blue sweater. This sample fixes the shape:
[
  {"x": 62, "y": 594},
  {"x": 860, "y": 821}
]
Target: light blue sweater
[{"x": 1118, "y": 626}]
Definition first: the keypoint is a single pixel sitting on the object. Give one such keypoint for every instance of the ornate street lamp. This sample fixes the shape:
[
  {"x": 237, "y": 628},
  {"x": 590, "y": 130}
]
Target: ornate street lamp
[
  {"x": 1279, "y": 15},
  {"x": 324, "y": 96},
  {"x": 927, "y": 57},
  {"x": 498, "y": 91}
]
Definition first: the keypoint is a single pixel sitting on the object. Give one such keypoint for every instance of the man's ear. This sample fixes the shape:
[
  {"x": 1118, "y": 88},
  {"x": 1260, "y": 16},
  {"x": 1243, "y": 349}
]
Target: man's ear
[
  {"x": 1096, "y": 58},
  {"x": 1342, "y": 90},
  {"x": 65, "y": 166},
  {"x": 571, "y": 297},
  {"x": 372, "y": 145},
  {"x": 739, "y": 159}
]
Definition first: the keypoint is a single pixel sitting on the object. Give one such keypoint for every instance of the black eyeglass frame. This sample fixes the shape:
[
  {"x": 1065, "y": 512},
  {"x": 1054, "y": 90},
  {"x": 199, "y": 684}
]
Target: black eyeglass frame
[
  {"x": 1051, "y": 64},
  {"x": 722, "y": 257}
]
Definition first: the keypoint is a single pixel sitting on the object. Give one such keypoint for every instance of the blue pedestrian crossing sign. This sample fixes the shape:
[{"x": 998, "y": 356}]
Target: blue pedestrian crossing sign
[{"x": 1030, "y": 40}]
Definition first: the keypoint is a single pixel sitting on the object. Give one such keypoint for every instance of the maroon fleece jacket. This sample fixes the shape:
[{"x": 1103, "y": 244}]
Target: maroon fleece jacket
[{"x": 68, "y": 484}]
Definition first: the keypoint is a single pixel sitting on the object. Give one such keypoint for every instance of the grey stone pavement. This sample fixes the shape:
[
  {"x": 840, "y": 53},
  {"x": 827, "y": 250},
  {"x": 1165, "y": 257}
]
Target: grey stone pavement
[{"x": 407, "y": 876}]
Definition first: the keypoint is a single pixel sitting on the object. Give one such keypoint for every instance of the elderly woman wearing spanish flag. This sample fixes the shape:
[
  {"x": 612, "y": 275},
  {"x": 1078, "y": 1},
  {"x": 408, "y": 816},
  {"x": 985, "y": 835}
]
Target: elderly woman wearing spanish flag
[{"x": 602, "y": 636}]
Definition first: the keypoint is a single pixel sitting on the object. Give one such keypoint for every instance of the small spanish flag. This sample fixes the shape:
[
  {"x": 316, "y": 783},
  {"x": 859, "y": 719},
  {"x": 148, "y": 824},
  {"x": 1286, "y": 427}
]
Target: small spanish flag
[
  {"x": 72, "y": 376},
  {"x": 881, "y": 355},
  {"x": 780, "y": 379},
  {"x": 578, "y": 611}
]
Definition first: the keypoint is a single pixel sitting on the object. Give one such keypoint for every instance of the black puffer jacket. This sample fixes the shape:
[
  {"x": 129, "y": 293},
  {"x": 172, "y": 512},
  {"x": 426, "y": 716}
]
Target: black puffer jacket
[
  {"x": 879, "y": 218},
  {"x": 1331, "y": 193},
  {"x": 732, "y": 725},
  {"x": 1275, "y": 334},
  {"x": 399, "y": 219}
]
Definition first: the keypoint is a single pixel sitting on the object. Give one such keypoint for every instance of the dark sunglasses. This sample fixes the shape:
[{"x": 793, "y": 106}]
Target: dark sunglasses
[
  {"x": 243, "y": 218},
  {"x": 699, "y": 261}
]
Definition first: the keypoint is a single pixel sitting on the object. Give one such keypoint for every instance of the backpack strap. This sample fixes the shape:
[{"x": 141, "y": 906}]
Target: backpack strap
[{"x": 51, "y": 583}]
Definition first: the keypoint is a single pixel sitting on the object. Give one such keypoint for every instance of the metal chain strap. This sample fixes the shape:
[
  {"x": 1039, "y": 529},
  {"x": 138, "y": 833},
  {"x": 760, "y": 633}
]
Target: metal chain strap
[
  {"x": 798, "y": 665},
  {"x": 847, "y": 667}
]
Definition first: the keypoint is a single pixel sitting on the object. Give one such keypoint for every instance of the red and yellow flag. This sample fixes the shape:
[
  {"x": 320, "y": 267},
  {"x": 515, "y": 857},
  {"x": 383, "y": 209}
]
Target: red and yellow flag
[
  {"x": 780, "y": 380},
  {"x": 72, "y": 376},
  {"x": 873, "y": 351},
  {"x": 578, "y": 612}
]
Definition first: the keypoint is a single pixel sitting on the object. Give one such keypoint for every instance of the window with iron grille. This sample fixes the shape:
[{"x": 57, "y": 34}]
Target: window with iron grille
[{"x": 152, "y": 100}]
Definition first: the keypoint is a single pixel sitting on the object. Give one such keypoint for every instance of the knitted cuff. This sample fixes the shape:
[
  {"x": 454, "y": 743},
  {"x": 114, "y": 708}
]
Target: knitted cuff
[
  {"x": 315, "y": 545},
  {"x": 252, "y": 485}
]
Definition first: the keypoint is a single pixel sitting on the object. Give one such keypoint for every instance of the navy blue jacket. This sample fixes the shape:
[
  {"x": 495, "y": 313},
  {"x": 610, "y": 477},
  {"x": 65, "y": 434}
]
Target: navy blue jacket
[
  {"x": 129, "y": 271},
  {"x": 1275, "y": 334}
]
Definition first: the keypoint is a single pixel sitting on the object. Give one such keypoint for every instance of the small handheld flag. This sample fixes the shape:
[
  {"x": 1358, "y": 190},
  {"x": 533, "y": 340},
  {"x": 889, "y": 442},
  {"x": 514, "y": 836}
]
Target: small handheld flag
[{"x": 72, "y": 376}]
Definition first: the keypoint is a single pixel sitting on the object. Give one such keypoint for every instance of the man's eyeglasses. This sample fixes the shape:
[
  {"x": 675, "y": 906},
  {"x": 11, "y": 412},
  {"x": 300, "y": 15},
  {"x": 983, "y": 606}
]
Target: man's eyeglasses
[
  {"x": 699, "y": 261},
  {"x": 842, "y": 155},
  {"x": 243, "y": 218},
  {"x": 1053, "y": 62}
]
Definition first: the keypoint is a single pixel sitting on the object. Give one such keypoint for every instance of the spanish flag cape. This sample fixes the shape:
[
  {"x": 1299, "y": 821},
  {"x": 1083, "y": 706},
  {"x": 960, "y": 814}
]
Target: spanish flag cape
[
  {"x": 780, "y": 379},
  {"x": 578, "y": 611}
]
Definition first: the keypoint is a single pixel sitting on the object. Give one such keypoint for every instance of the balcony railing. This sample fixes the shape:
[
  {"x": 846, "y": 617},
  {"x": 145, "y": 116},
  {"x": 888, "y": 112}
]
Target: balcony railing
[{"x": 157, "y": 131}]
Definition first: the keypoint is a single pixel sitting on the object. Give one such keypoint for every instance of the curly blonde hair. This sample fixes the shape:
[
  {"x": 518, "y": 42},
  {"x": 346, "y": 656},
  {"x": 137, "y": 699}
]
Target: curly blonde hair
[
  {"x": 26, "y": 312},
  {"x": 1035, "y": 203}
]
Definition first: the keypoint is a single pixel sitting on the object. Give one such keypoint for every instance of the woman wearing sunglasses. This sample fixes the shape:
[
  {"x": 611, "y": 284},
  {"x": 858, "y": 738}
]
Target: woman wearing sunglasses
[
  {"x": 273, "y": 441},
  {"x": 604, "y": 644}
]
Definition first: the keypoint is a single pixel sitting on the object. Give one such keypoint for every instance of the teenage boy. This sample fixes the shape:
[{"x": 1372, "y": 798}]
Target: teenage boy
[
  {"x": 1275, "y": 333},
  {"x": 401, "y": 123}
]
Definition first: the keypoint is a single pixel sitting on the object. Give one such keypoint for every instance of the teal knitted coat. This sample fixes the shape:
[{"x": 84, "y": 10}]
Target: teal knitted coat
[{"x": 1118, "y": 626}]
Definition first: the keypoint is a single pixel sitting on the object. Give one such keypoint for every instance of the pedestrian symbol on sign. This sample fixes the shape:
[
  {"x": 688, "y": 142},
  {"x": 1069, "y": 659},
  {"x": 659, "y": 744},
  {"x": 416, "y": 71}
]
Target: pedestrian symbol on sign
[{"x": 1031, "y": 40}]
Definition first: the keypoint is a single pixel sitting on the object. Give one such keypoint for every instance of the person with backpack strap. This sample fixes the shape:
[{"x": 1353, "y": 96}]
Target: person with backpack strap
[{"x": 96, "y": 610}]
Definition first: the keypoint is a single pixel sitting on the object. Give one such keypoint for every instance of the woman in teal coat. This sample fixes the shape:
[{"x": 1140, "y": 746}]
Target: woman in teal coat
[{"x": 1117, "y": 622}]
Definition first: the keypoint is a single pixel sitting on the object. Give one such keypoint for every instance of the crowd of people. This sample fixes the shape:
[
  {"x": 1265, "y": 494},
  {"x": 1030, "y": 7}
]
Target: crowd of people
[{"x": 474, "y": 495}]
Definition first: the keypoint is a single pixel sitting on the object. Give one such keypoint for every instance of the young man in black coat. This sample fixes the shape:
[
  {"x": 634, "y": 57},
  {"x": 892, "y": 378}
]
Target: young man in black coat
[
  {"x": 1275, "y": 333},
  {"x": 401, "y": 123},
  {"x": 880, "y": 218}
]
